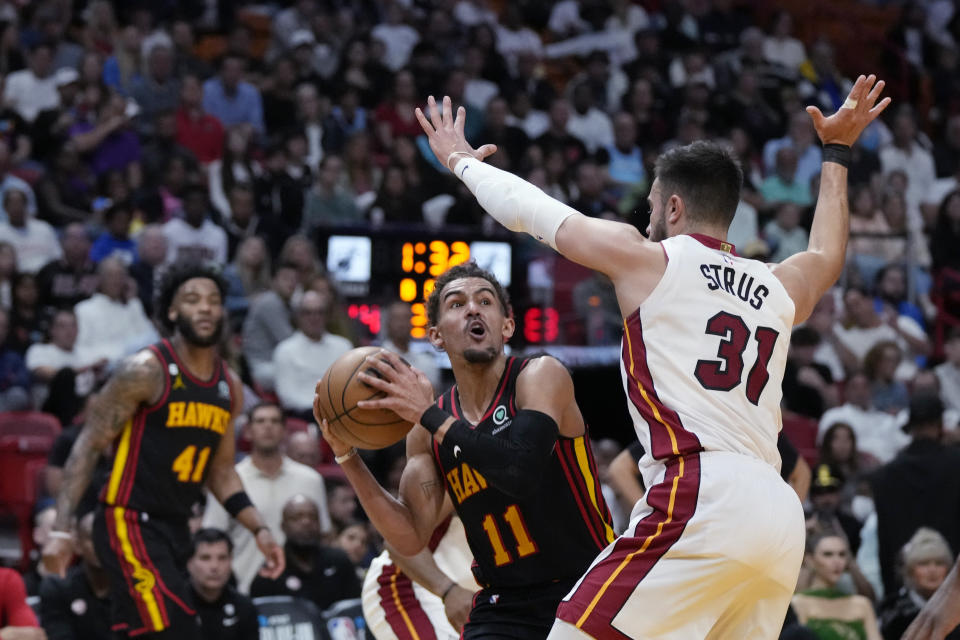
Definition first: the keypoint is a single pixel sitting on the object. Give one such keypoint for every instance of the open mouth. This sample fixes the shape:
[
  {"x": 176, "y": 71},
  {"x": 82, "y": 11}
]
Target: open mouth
[{"x": 477, "y": 329}]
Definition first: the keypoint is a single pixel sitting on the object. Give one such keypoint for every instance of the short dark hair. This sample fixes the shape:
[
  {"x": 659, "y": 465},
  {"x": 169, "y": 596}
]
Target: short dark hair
[
  {"x": 210, "y": 535},
  {"x": 263, "y": 404},
  {"x": 706, "y": 176},
  {"x": 804, "y": 337},
  {"x": 175, "y": 275},
  {"x": 465, "y": 270}
]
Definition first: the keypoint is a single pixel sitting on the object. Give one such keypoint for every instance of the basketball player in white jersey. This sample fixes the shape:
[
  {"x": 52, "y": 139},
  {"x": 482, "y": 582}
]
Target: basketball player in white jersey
[
  {"x": 428, "y": 596},
  {"x": 714, "y": 547}
]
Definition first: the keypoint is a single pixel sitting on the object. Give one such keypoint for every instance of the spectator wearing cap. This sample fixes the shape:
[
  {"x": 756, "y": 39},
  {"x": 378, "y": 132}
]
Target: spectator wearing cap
[
  {"x": 34, "y": 240},
  {"x": 51, "y": 125},
  {"x": 31, "y": 90},
  {"x": 948, "y": 373},
  {"x": 920, "y": 487},
  {"x": 926, "y": 560},
  {"x": 232, "y": 100},
  {"x": 827, "y": 504}
]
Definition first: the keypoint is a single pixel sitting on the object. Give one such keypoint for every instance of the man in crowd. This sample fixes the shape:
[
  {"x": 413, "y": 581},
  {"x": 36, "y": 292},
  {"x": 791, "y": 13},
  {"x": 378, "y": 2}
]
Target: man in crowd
[
  {"x": 271, "y": 479},
  {"x": 67, "y": 280},
  {"x": 35, "y": 240},
  {"x": 321, "y": 574},
  {"x": 224, "y": 614},
  {"x": 77, "y": 606},
  {"x": 267, "y": 324}
]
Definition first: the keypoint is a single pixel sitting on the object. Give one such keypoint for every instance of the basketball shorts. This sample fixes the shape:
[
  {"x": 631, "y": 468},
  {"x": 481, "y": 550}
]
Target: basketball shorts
[
  {"x": 397, "y": 608},
  {"x": 522, "y": 613},
  {"x": 145, "y": 559},
  {"x": 713, "y": 550}
]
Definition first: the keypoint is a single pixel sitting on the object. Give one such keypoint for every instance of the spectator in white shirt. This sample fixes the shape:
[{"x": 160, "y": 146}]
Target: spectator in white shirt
[
  {"x": 908, "y": 155},
  {"x": 195, "y": 237},
  {"x": 34, "y": 89},
  {"x": 303, "y": 358},
  {"x": 948, "y": 373},
  {"x": 514, "y": 38},
  {"x": 397, "y": 37},
  {"x": 587, "y": 123},
  {"x": 270, "y": 478},
  {"x": 398, "y": 340},
  {"x": 781, "y": 47},
  {"x": 35, "y": 241},
  {"x": 112, "y": 323},
  {"x": 877, "y": 433},
  {"x": 46, "y": 360}
]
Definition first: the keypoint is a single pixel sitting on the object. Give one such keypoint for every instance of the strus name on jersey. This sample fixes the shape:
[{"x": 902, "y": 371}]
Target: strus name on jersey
[
  {"x": 736, "y": 283},
  {"x": 465, "y": 481},
  {"x": 197, "y": 414}
]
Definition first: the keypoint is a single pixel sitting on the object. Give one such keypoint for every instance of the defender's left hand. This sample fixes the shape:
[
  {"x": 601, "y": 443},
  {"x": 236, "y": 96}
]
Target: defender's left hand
[{"x": 408, "y": 391}]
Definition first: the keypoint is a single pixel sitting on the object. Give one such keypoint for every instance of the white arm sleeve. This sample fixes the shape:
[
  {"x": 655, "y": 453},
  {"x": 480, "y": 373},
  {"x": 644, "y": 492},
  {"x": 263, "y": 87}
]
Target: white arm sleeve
[{"x": 512, "y": 201}]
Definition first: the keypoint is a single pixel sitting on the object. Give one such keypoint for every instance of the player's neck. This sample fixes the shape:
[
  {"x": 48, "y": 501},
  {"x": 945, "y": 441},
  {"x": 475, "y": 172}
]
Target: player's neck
[
  {"x": 477, "y": 384},
  {"x": 199, "y": 360},
  {"x": 703, "y": 230}
]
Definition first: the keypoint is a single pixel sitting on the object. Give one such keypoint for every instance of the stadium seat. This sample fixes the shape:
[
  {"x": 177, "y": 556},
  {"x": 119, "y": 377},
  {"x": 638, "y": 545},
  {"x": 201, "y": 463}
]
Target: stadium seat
[
  {"x": 289, "y": 617},
  {"x": 29, "y": 423},
  {"x": 801, "y": 431}
]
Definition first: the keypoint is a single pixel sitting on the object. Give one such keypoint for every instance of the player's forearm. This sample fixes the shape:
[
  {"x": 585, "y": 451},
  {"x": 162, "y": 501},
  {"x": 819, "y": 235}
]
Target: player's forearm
[
  {"x": 76, "y": 478},
  {"x": 831, "y": 225},
  {"x": 391, "y": 517},
  {"x": 423, "y": 570},
  {"x": 512, "y": 201}
]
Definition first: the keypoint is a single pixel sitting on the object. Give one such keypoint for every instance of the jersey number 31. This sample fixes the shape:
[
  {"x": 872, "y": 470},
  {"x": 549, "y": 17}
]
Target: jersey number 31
[{"x": 726, "y": 373}]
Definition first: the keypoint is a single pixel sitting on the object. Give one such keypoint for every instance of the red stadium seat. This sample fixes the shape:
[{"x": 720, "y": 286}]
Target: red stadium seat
[
  {"x": 801, "y": 431},
  {"x": 26, "y": 438}
]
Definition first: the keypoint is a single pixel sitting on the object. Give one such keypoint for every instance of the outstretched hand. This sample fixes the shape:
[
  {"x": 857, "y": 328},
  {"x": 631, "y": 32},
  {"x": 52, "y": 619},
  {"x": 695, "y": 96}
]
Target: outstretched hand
[
  {"x": 446, "y": 134},
  {"x": 860, "y": 109}
]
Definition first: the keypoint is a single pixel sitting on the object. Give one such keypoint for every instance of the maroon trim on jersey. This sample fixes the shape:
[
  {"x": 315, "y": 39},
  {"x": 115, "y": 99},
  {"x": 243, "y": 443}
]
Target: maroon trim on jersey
[
  {"x": 661, "y": 420},
  {"x": 578, "y": 490},
  {"x": 404, "y": 605},
  {"x": 203, "y": 383},
  {"x": 504, "y": 377},
  {"x": 134, "y": 527},
  {"x": 438, "y": 533},
  {"x": 605, "y": 588},
  {"x": 714, "y": 243}
]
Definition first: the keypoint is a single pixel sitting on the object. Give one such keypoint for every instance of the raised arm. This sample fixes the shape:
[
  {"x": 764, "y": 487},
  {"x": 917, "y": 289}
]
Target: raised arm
[
  {"x": 809, "y": 274},
  {"x": 612, "y": 248},
  {"x": 225, "y": 484},
  {"x": 137, "y": 380},
  {"x": 406, "y": 521}
]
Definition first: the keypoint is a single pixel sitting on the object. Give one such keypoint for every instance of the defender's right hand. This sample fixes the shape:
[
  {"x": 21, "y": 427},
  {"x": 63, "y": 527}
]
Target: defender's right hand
[
  {"x": 57, "y": 554},
  {"x": 845, "y": 126}
]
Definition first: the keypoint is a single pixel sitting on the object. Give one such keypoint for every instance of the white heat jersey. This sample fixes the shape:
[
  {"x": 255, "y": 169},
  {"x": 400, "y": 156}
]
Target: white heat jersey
[{"x": 703, "y": 356}]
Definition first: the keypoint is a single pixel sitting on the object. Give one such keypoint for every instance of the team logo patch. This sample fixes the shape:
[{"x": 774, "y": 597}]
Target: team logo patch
[
  {"x": 223, "y": 388},
  {"x": 499, "y": 415},
  {"x": 79, "y": 606}
]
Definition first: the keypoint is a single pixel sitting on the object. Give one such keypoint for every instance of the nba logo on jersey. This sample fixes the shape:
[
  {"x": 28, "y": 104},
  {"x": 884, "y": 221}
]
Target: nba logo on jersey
[
  {"x": 495, "y": 598},
  {"x": 342, "y": 628}
]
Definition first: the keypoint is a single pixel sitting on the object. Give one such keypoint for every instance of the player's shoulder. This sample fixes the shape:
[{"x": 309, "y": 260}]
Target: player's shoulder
[
  {"x": 143, "y": 367},
  {"x": 542, "y": 366}
]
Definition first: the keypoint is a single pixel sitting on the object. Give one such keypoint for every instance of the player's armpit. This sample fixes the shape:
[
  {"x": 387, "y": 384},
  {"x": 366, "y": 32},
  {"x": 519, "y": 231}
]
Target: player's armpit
[{"x": 138, "y": 379}]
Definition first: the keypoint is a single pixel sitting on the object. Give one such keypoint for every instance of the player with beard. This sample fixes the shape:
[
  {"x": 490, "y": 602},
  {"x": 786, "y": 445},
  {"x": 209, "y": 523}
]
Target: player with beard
[
  {"x": 168, "y": 409},
  {"x": 509, "y": 445}
]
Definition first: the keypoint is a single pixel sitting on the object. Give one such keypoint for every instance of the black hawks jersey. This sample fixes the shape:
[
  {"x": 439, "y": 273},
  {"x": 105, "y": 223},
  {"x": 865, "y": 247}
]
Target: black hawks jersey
[
  {"x": 551, "y": 535},
  {"x": 163, "y": 453}
]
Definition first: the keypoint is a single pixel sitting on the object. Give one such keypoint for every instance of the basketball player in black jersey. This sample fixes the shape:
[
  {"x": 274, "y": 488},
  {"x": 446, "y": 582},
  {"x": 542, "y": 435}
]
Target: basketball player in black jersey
[
  {"x": 169, "y": 410},
  {"x": 509, "y": 445}
]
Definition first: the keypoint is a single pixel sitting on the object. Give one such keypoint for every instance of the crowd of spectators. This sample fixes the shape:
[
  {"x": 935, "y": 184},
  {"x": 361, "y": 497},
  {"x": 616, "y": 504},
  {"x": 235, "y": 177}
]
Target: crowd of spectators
[{"x": 134, "y": 135}]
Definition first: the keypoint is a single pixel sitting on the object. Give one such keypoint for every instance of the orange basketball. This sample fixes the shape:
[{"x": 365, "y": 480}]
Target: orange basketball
[{"x": 338, "y": 393}]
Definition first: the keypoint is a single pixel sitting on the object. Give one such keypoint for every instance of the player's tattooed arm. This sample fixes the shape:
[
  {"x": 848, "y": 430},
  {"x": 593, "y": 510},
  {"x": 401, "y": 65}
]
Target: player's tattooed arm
[{"x": 138, "y": 379}]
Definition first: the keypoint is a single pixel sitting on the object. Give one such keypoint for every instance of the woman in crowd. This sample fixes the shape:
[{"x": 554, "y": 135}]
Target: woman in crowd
[
  {"x": 824, "y": 609},
  {"x": 926, "y": 561}
]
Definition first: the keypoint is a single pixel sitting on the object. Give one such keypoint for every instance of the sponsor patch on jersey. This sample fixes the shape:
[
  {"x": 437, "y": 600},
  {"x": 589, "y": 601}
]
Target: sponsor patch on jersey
[{"x": 499, "y": 415}]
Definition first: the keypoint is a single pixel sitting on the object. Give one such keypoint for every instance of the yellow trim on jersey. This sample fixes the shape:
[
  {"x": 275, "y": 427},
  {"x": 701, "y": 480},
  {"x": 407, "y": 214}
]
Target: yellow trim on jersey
[
  {"x": 144, "y": 579},
  {"x": 580, "y": 449},
  {"x": 396, "y": 601},
  {"x": 119, "y": 463},
  {"x": 644, "y": 547}
]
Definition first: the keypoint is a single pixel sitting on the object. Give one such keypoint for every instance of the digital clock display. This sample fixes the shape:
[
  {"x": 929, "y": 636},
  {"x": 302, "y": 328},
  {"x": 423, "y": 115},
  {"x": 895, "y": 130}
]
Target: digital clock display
[{"x": 405, "y": 267}]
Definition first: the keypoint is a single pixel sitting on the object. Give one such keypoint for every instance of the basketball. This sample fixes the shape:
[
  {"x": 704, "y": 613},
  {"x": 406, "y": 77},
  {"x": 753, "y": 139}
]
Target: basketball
[{"x": 337, "y": 395}]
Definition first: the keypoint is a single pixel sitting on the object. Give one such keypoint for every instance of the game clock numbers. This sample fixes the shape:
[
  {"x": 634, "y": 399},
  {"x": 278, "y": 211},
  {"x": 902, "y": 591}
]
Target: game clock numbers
[{"x": 406, "y": 268}]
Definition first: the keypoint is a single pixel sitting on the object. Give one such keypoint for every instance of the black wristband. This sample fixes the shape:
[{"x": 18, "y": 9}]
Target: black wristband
[
  {"x": 433, "y": 418},
  {"x": 237, "y": 503},
  {"x": 839, "y": 153}
]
